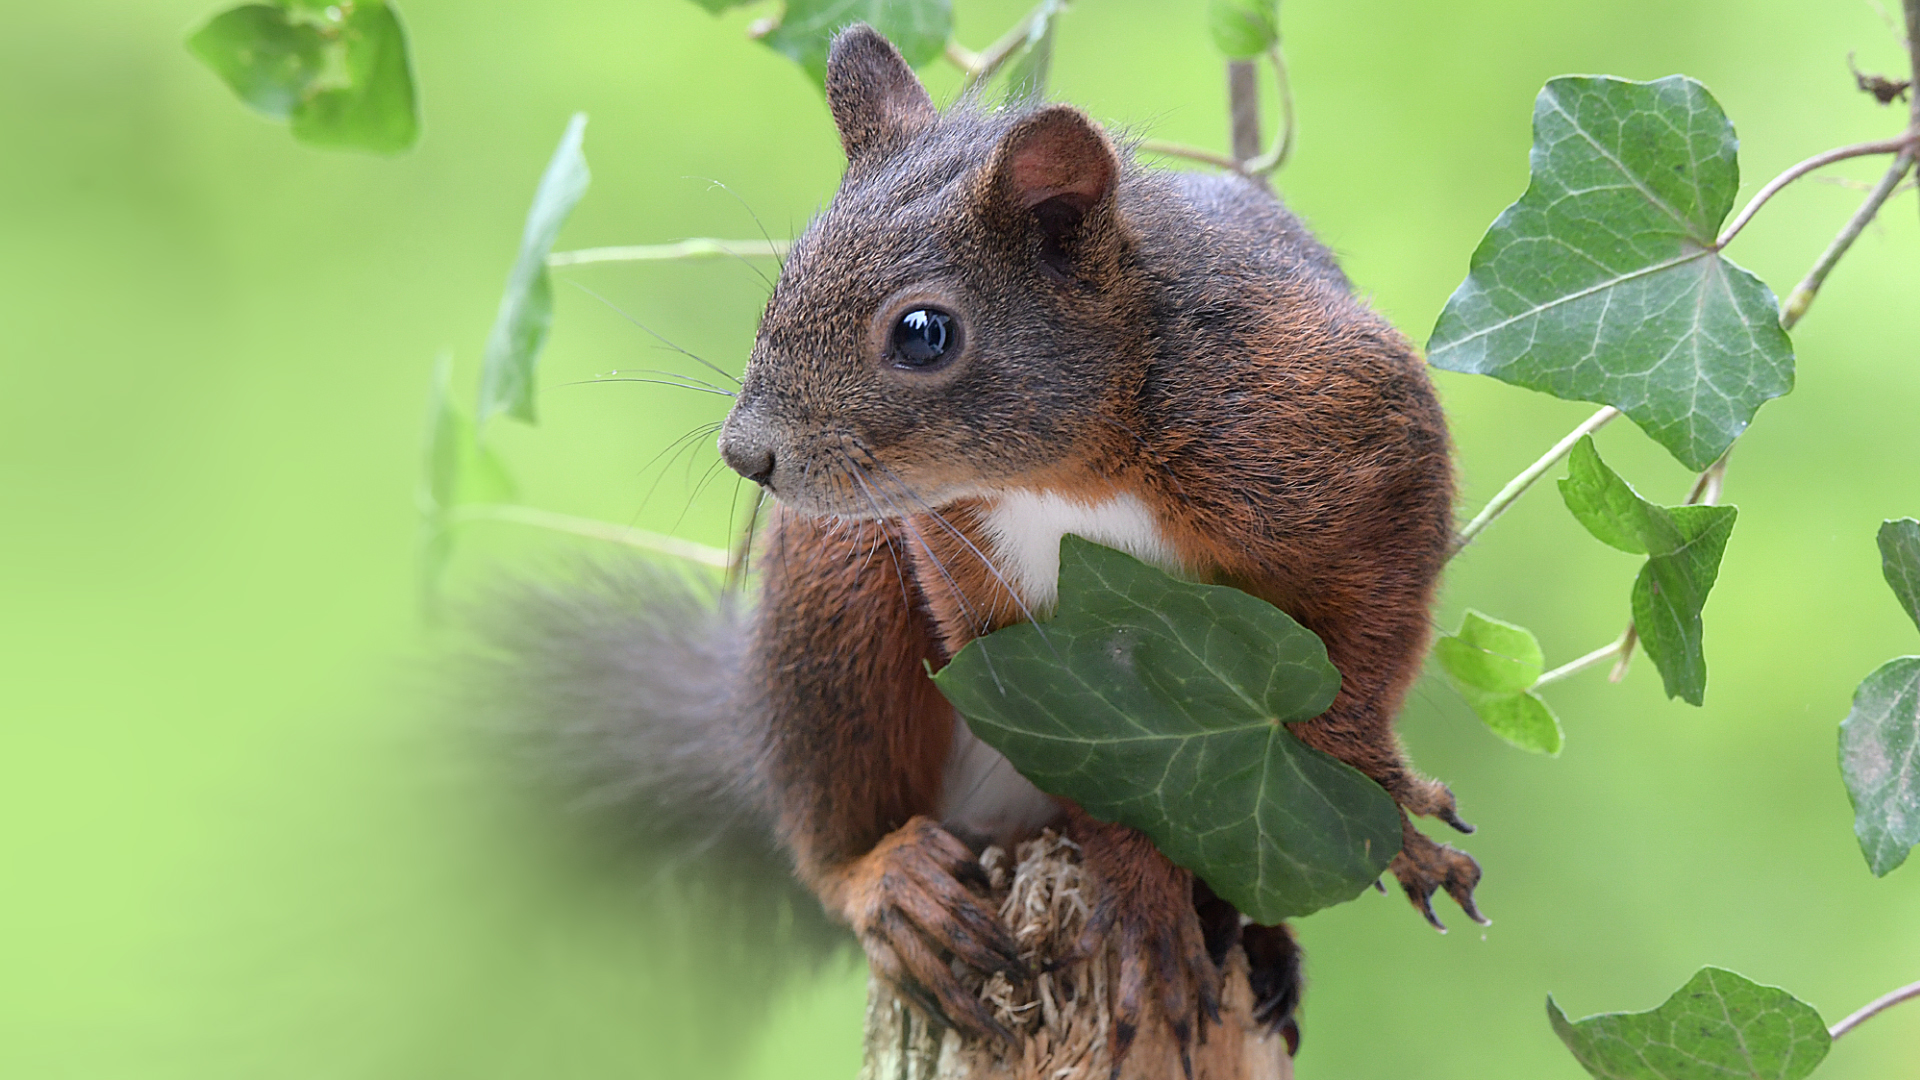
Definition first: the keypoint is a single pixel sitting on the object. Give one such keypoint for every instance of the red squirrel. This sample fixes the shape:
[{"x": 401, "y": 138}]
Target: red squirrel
[{"x": 1003, "y": 329}]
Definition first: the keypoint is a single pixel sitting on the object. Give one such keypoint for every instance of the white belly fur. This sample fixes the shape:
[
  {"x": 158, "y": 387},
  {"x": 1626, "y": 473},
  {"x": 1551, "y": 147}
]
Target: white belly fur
[{"x": 981, "y": 793}]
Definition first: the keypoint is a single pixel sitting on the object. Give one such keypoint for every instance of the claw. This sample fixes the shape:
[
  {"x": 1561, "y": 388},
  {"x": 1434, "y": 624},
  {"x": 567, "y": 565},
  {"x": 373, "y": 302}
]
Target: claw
[{"x": 1452, "y": 818}]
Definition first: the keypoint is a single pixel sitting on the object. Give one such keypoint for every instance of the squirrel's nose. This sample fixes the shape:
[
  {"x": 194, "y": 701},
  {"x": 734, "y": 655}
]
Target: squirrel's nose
[{"x": 749, "y": 460}]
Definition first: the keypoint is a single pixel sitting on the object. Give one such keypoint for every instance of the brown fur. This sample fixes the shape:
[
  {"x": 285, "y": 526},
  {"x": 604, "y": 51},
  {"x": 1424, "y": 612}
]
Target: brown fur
[{"x": 1177, "y": 338}]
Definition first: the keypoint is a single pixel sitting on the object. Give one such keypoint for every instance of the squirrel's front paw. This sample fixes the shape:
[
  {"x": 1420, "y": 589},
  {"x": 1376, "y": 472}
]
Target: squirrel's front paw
[
  {"x": 1425, "y": 867},
  {"x": 913, "y": 901},
  {"x": 1145, "y": 911}
]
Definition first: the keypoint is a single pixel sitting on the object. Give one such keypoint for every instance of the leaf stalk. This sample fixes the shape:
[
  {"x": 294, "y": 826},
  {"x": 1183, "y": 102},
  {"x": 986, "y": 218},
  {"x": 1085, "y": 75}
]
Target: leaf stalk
[
  {"x": 1518, "y": 485},
  {"x": 1885, "y": 1001},
  {"x": 1574, "y": 667}
]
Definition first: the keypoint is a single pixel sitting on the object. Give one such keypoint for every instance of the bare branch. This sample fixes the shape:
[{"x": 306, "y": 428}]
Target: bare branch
[
  {"x": 1809, "y": 286},
  {"x": 1817, "y": 161}
]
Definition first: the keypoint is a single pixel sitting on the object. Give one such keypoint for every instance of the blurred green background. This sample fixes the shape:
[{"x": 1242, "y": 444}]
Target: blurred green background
[{"x": 235, "y": 844}]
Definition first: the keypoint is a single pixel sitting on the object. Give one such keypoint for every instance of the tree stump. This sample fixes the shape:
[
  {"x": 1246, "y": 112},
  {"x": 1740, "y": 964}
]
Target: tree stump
[{"x": 1063, "y": 1018}]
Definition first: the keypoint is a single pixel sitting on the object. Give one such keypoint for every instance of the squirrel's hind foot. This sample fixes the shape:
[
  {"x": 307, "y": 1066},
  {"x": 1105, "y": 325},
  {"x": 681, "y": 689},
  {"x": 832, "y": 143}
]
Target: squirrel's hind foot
[{"x": 1425, "y": 867}]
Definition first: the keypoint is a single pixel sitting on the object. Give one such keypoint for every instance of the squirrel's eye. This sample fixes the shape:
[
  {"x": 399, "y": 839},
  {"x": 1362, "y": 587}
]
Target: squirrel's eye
[{"x": 924, "y": 337}]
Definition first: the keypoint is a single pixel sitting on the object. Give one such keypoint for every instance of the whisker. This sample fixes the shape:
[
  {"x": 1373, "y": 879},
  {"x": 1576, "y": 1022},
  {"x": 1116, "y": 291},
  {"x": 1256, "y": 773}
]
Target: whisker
[
  {"x": 737, "y": 574},
  {"x": 1012, "y": 593},
  {"x": 676, "y": 447},
  {"x": 658, "y": 382},
  {"x": 701, "y": 360},
  {"x": 780, "y": 260},
  {"x": 683, "y": 377}
]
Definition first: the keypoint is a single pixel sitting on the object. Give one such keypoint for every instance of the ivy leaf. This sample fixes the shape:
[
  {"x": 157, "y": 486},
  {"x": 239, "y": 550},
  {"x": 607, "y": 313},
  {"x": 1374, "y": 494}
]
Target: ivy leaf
[
  {"x": 1604, "y": 284},
  {"x": 457, "y": 471},
  {"x": 1243, "y": 29},
  {"x": 526, "y": 307},
  {"x": 1162, "y": 705},
  {"x": 1684, "y": 545},
  {"x": 339, "y": 75},
  {"x": 918, "y": 28},
  {"x": 1880, "y": 761},
  {"x": 1719, "y": 1025},
  {"x": 1494, "y": 665},
  {"x": 1026, "y": 72},
  {"x": 1900, "y": 562}
]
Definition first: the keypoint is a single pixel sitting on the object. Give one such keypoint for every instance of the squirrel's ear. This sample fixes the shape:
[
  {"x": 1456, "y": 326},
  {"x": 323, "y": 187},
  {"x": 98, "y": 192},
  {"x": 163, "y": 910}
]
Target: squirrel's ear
[
  {"x": 1058, "y": 166},
  {"x": 1059, "y": 154},
  {"x": 876, "y": 100}
]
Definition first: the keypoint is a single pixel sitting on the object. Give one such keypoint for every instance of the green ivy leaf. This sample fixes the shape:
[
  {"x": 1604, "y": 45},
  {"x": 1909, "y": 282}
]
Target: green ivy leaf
[
  {"x": 1161, "y": 705},
  {"x": 1900, "y": 562},
  {"x": 526, "y": 307},
  {"x": 1026, "y": 71},
  {"x": 1718, "y": 1026},
  {"x": 1684, "y": 545},
  {"x": 1880, "y": 761},
  {"x": 1494, "y": 665},
  {"x": 918, "y": 28},
  {"x": 1243, "y": 29},
  {"x": 339, "y": 75},
  {"x": 1603, "y": 283}
]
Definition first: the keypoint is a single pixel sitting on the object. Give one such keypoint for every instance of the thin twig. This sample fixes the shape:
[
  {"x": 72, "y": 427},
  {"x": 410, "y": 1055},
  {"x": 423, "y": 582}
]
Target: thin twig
[
  {"x": 1191, "y": 153},
  {"x": 659, "y": 543},
  {"x": 1885, "y": 1001},
  {"x": 1882, "y": 146},
  {"x": 1573, "y": 667},
  {"x": 1519, "y": 484},
  {"x": 1809, "y": 286},
  {"x": 977, "y": 67},
  {"x": 697, "y": 248}
]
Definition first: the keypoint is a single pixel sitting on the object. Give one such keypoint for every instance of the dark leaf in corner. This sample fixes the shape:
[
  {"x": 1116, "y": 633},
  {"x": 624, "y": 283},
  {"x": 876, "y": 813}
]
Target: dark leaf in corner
[
  {"x": 1900, "y": 562},
  {"x": 1163, "y": 705}
]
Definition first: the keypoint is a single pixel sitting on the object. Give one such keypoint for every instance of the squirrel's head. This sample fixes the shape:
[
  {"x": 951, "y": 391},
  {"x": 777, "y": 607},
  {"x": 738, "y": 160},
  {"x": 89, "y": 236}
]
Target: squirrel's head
[{"x": 955, "y": 322}]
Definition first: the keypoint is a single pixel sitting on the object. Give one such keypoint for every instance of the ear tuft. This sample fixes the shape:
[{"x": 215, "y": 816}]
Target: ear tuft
[
  {"x": 876, "y": 100},
  {"x": 1057, "y": 153}
]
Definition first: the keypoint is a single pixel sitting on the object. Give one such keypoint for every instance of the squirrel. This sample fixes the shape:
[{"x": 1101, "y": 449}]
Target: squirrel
[{"x": 1003, "y": 329}]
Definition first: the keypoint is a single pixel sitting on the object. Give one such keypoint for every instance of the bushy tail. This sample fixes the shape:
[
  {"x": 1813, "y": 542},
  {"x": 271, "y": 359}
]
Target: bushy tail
[{"x": 619, "y": 686}]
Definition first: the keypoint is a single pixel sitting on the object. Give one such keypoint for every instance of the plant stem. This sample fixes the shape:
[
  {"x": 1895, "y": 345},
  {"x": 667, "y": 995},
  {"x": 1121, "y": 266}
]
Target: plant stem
[
  {"x": 1243, "y": 109},
  {"x": 1882, "y": 146},
  {"x": 658, "y": 543},
  {"x": 698, "y": 248},
  {"x": 1271, "y": 161},
  {"x": 1809, "y": 286},
  {"x": 1573, "y": 667},
  {"x": 1191, "y": 153},
  {"x": 1519, "y": 484},
  {"x": 1886, "y": 1001}
]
